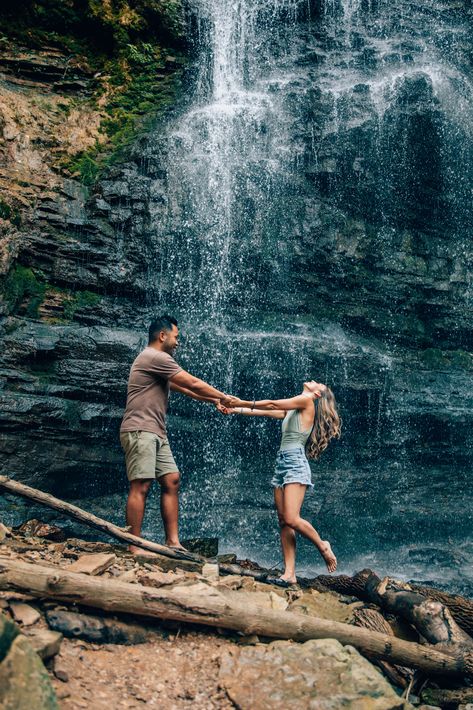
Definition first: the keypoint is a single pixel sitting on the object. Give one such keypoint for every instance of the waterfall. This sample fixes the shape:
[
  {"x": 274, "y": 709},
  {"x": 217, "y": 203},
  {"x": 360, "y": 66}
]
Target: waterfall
[{"x": 309, "y": 190}]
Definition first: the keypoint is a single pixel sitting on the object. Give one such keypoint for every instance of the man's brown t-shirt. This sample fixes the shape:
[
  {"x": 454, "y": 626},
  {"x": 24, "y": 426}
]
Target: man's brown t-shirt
[{"x": 148, "y": 392}]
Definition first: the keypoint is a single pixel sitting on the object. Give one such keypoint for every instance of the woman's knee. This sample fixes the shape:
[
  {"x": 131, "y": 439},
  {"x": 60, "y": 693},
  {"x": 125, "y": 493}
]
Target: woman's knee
[
  {"x": 281, "y": 521},
  {"x": 292, "y": 521}
]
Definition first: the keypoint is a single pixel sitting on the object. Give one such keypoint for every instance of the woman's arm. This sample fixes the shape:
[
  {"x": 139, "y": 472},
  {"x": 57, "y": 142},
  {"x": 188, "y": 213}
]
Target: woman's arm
[
  {"x": 189, "y": 393},
  {"x": 274, "y": 414},
  {"x": 301, "y": 401}
]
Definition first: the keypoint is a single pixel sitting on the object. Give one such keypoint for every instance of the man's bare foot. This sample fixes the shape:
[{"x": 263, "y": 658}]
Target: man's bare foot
[
  {"x": 141, "y": 551},
  {"x": 327, "y": 553}
]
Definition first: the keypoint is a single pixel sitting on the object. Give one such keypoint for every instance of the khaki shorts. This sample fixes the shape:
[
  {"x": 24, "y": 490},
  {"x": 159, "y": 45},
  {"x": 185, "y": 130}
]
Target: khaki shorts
[{"x": 146, "y": 455}]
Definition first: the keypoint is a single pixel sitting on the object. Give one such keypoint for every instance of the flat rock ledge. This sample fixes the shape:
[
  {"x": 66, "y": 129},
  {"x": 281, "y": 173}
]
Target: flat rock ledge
[{"x": 317, "y": 675}]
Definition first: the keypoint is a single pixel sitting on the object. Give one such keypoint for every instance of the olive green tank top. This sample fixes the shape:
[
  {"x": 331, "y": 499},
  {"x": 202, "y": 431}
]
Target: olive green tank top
[{"x": 292, "y": 436}]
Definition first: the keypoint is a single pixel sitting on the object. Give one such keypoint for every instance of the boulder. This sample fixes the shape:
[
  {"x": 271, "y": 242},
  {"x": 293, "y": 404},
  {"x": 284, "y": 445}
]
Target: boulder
[
  {"x": 319, "y": 674},
  {"x": 8, "y": 632},
  {"x": 24, "y": 681}
]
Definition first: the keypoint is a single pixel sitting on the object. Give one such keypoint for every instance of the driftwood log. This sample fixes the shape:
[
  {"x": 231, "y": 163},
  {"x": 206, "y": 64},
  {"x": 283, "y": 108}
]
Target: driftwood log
[
  {"x": 432, "y": 619},
  {"x": 73, "y": 511},
  {"x": 460, "y": 607},
  {"x": 82, "y": 516},
  {"x": 206, "y": 605},
  {"x": 449, "y": 698},
  {"x": 372, "y": 619}
]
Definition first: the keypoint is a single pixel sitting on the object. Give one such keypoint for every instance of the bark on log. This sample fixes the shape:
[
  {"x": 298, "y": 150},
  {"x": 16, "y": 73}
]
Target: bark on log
[
  {"x": 372, "y": 619},
  {"x": 431, "y": 618},
  {"x": 449, "y": 698},
  {"x": 209, "y": 606},
  {"x": 460, "y": 607},
  {"x": 72, "y": 511}
]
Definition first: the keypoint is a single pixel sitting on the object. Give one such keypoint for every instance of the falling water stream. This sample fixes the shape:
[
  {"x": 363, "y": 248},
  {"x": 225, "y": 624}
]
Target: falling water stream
[{"x": 296, "y": 106}]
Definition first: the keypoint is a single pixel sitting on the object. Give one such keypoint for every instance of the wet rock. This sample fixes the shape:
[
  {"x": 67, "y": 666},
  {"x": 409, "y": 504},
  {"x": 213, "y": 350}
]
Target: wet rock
[
  {"x": 95, "y": 629},
  {"x": 158, "y": 579},
  {"x": 205, "y": 546},
  {"x": 93, "y": 564},
  {"x": 25, "y": 614},
  {"x": 325, "y": 605},
  {"x": 24, "y": 681},
  {"x": 46, "y": 643},
  {"x": 8, "y": 632},
  {"x": 318, "y": 674},
  {"x": 37, "y": 528},
  {"x": 61, "y": 673},
  {"x": 210, "y": 571}
]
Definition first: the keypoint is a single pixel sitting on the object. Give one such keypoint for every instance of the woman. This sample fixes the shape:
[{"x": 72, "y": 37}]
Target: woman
[{"x": 310, "y": 421}]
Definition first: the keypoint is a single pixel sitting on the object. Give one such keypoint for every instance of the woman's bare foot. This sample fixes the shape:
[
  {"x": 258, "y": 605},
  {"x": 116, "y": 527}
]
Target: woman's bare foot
[
  {"x": 327, "y": 553},
  {"x": 289, "y": 579}
]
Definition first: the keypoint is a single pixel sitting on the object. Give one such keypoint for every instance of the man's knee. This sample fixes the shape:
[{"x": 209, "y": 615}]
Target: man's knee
[
  {"x": 170, "y": 482},
  {"x": 140, "y": 486}
]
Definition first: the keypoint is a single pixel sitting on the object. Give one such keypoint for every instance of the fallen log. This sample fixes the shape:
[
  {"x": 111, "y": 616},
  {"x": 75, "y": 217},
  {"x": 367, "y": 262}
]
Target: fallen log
[
  {"x": 448, "y": 698},
  {"x": 206, "y": 605},
  {"x": 431, "y": 618},
  {"x": 460, "y": 607},
  {"x": 73, "y": 511},
  {"x": 372, "y": 619},
  {"x": 94, "y": 628}
]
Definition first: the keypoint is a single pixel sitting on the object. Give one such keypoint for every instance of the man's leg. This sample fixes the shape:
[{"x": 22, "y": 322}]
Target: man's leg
[
  {"x": 170, "y": 507},
  {"x": 135, "y": 508}
]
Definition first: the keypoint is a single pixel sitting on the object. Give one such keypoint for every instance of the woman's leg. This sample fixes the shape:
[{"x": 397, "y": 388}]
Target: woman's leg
[
  {"x": 293, "y": 497},
  {"x": 288, "y": 539}
]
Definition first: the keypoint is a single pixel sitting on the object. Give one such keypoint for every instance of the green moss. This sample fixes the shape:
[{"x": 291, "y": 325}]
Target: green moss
[
  {"x": 24, "y": 291},
  {"x": 22, "y": 288},
  {"x": 436, "y": 359},
  {"x": 461, "y": 359},
  {"x": 79, "y": 300},
  {"x": 9, "y": 213},
  {"x": 86, "y": 165}
]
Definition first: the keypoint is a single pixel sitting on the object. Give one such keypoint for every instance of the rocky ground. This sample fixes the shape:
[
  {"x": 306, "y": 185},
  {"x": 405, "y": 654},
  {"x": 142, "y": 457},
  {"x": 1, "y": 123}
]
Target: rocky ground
[{"x": 96, "y": 660}]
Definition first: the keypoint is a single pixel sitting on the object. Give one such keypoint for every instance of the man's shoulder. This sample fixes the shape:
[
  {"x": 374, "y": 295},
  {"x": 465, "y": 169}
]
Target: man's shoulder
[{"x": 152, "y": 357}]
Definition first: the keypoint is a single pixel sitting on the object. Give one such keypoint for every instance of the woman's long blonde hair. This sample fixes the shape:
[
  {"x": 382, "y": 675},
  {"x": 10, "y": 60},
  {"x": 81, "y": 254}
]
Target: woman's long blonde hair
[{"x": 327, "y": 425}]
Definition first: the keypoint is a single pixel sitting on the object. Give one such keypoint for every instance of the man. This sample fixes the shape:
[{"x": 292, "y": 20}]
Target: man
[{"x": 143, "y": 428}]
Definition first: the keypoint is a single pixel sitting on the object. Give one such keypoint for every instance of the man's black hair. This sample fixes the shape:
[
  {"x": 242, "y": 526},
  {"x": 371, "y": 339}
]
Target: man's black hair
[{"x": 158, "y": 324}]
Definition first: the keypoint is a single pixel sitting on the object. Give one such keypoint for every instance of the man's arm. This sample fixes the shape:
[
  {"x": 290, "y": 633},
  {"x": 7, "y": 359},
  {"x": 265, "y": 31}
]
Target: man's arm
[
  {"x": 197, "y": 387},
  {"x": 189, "y": 393}
]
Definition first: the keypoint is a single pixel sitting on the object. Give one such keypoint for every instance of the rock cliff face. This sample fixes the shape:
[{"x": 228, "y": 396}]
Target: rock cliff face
[{"x": 307, "y": 215}]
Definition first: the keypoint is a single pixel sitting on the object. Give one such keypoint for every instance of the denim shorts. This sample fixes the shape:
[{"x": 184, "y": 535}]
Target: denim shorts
[{"x": 291, "y": 467}]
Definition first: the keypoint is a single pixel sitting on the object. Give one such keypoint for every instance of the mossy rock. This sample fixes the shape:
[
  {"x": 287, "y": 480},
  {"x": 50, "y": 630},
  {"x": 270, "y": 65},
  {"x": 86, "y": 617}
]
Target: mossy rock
[
  {"x": 24, "y": 681},
  {"x": 8, "y": 633}
]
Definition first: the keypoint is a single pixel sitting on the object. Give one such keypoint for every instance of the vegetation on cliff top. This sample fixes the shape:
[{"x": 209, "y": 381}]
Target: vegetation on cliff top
[{"x": 133, "y": 49}]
